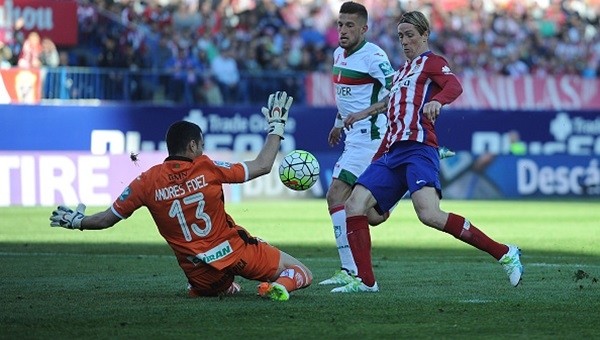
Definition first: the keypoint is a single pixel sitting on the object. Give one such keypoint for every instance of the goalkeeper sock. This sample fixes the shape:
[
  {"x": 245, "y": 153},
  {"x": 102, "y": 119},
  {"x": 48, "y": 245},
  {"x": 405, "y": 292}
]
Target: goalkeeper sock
[
  {"x": 338, "y": 218},
  {"x": 462, "y": 229},
  {"x": 293, "y": 278},
  {"x": 359, "y": 239}
]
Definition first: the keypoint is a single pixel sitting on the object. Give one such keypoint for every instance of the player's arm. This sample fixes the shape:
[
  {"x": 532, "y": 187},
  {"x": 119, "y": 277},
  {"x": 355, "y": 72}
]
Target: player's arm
[
  {"x": 450, "y": 89},
  {"x": 373, "y": 110},
  {"x": 335, "y": 135},
  {"x": 276, "y": 114},
  {"x": 263, "y": 163},
  {"x": 76, "y": 219}
]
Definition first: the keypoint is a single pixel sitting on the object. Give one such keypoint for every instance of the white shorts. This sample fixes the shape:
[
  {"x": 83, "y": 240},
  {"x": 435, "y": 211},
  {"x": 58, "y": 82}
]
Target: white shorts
[{"x": 359, "y": 149}]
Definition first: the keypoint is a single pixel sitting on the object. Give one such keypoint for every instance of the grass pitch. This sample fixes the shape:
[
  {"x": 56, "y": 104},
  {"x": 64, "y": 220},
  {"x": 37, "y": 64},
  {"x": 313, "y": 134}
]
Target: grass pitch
[{"x": 124, "y": 282}]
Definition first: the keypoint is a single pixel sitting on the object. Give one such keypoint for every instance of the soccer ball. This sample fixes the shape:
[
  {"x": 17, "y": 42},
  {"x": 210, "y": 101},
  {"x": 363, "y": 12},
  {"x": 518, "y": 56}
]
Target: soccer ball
[{"x": 299, "y": 170}]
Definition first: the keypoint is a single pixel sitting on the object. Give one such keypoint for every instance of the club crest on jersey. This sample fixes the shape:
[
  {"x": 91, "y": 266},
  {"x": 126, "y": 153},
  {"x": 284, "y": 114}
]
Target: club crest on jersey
[
  {"x": 223, "y": 164},
  {"x": 386, "y": 68},
  {"x": 125, "y": 194}
]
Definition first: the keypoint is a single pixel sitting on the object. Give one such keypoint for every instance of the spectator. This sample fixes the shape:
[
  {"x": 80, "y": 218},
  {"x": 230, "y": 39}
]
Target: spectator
[
  {"x": 159, "y": 57},
  {"x": 210, "y": 94},
  {"x": 49, "y": 56},
  {"x": 225, "y": 71},
  {"x": 31, "y": 52},
  {"x": 87, "y": 19},
  {"x": 135, "y": 62},
  {"x": 5, "y": 56},
  {"x": 187, "y": 18},
  {"x": 17, "y": 40},
  {"x": 110, "y": 56},
  {"x": 184, "y": 69},
  {"x": 478, "y": 37}
]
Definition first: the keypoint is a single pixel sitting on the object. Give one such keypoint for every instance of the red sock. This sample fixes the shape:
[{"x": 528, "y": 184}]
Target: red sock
[
  {"x": 463, "y": 230},
  {"x": 293, "y": 278},
  {"x": 359, "y": 239}
]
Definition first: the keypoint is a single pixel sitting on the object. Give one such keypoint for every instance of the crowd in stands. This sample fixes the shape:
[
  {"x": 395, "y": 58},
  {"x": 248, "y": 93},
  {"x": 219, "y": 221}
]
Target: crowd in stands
[
  {"x": 205, "y": 48},
  {"x": 28, "y": 50}
]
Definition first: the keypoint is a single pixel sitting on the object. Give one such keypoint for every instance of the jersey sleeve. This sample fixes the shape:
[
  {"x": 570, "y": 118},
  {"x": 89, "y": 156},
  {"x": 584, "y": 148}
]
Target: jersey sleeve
[
  {"x": 231, "y": 172},
  {"x": 131, "y": 199},
  {"x": 381, "y": 68},
  {"x": 440, "y": 73}
]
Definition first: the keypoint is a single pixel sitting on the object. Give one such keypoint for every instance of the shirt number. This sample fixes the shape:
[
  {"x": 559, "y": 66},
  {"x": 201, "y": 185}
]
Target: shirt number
[{"x": 176, "y": 210}]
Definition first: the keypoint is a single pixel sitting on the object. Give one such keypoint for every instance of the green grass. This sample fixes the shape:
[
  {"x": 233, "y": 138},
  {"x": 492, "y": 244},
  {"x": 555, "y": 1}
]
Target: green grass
[{"x": 124, "y": 282}]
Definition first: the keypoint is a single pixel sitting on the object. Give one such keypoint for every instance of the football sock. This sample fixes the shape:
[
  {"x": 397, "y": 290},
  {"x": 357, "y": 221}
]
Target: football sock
[
  {"x": 338, "y": 218},
  {"x": 293, "y": 278},
  {"x": 359, "y": 239},
  {"x": 463, "y": 230}
]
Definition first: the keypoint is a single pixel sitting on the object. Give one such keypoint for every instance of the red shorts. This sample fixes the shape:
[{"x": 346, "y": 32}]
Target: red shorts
[{"x": 255, "y": 260}]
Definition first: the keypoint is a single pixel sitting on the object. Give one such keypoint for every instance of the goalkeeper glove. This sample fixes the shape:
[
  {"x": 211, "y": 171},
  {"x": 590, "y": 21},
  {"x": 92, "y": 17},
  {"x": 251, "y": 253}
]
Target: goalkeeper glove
[
  {"x": 67, "y": 218},
  {"x": 276, "y": 112}
]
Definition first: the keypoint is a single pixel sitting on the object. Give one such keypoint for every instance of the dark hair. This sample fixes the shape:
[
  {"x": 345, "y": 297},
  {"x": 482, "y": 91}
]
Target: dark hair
[
  {"x": 180, "y": 134},
  {"x": 352, "y": 7},
  {"x": 416, "y": 19}
]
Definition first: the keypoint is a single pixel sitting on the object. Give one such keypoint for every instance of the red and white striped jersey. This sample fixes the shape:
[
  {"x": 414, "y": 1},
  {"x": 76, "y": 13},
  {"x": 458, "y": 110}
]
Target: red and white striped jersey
[{"x": 428, "y": 77}]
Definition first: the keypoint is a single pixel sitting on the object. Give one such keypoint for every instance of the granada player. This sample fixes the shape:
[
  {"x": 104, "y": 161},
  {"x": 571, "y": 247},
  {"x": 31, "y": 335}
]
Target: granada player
[
  {"x": 409, "y": 158},
  {"x": 184, "y": 195},
  {"x": 361, "y": 74}
]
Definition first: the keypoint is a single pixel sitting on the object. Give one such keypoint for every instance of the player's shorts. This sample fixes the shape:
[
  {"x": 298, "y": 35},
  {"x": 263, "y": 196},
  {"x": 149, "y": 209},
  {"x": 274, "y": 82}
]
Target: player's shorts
[
  {"x": 256, "y": 260},
  {"x": 359, "y": 149},
  {"x": 406, "y": 166}
]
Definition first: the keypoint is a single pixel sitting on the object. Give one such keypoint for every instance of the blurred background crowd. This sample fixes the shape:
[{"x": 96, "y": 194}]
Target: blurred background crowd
[{"x": 210, "y": 44}]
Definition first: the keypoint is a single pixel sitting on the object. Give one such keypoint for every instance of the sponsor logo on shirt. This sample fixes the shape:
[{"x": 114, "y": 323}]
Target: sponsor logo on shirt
[
  {"x": 386, "y": 68},
  {"x": 217, "y": 253},
  {"x": 446, "y": 70}
]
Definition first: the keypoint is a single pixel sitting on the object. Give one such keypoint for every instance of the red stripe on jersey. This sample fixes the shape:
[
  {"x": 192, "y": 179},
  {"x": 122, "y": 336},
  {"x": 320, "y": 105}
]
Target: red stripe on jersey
[
  {"x": 416, "y": 83},
  {"x": 339, "y": 79}
]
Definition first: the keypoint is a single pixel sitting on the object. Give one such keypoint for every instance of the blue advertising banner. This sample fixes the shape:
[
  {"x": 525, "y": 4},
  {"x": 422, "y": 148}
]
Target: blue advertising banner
[
  {"x": 490, "y": 176},
  {"x": 501, "y": 154},
  {"x": 525, "y": 132},
  {"x": 123, "y": 129}
]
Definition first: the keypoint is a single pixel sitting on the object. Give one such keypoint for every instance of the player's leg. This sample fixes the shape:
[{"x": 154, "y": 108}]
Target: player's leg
[
  {"x": 336, "y": 196},
  {"x": 359, "y": 240},
  {"x": 427, "y": 206},
  {"x": 375, "y": 218},
  {"x": 291, "y": 275},
  {"x": 379, "y": 187},
  {"x": 204, "y": 280}
]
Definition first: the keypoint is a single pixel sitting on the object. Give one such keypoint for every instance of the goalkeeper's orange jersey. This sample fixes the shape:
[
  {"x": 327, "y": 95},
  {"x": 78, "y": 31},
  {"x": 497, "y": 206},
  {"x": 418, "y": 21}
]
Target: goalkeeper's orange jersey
[{"x": 185, "y": 198}]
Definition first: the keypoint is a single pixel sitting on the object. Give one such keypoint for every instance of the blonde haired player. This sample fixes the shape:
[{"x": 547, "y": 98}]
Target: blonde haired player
[{"x": 410, "y": 158}]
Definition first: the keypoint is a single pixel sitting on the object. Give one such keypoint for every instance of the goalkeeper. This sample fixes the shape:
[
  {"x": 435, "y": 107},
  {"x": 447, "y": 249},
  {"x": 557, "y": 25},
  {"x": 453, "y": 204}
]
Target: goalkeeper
[{"x": 184, "y": 195}]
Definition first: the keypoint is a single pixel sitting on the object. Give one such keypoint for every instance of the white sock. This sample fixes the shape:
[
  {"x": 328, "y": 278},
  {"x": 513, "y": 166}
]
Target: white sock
[{"x": 341, "y": 239}]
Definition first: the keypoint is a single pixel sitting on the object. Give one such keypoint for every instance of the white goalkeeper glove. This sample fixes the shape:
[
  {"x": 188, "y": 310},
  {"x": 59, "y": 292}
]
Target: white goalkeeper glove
[
  {"x": 67, "y": 218},
  {"x": 277, "y": 111}
]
